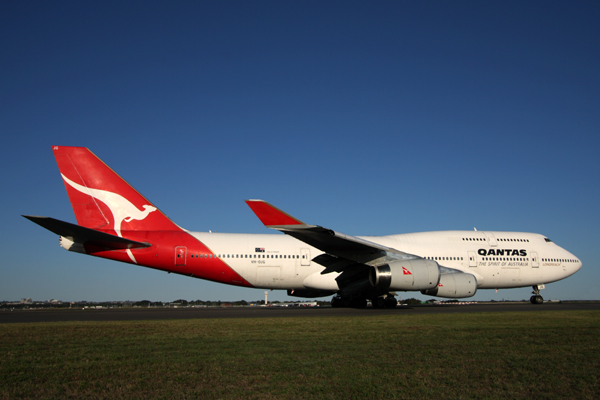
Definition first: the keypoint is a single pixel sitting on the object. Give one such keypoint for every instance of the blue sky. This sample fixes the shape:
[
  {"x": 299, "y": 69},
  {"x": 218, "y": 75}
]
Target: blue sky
[{"x": 367, "y": 118}]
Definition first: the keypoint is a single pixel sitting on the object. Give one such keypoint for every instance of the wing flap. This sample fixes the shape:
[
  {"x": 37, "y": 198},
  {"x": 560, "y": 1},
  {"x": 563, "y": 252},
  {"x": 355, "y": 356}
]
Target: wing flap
[{"x": 332, "y": 263}]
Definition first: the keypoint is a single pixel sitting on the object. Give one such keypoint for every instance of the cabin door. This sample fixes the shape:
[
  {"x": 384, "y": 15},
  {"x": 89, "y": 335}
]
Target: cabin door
[{"x": 180, "y": 255}]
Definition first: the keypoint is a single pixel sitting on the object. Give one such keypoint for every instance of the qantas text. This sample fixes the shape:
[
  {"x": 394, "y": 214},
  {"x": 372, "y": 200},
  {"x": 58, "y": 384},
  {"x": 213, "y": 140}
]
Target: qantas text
[{"x": 502, "y": 252}]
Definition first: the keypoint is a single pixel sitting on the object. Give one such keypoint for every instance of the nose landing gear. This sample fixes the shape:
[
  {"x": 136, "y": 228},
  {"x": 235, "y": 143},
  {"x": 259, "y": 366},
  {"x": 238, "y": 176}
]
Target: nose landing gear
[{"x": 536, "y": 298}]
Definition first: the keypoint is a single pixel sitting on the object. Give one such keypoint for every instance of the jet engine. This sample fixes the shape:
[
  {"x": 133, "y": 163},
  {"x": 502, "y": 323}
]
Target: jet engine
[
  {"x": 407, "y": 275},
  {"x": 454, "y": 285}
]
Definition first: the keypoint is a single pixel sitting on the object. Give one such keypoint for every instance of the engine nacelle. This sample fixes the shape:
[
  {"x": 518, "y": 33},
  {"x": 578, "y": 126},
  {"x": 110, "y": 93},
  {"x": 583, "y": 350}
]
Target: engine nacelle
[
  {"x": 68, "y": 243},
  {"x": 419, "y": 274},
  {"x": 454, "y": 286}
]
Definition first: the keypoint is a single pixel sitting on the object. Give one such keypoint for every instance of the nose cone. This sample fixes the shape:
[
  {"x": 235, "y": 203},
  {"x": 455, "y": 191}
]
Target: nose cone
[
  {"x": 568, "y": 261},
  {"x": 577, "y": 265},
  {"x": 571, "y": 263}
]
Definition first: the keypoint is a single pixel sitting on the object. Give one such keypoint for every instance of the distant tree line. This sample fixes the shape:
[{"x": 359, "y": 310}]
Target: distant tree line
[{"x": 176, "y": 303}]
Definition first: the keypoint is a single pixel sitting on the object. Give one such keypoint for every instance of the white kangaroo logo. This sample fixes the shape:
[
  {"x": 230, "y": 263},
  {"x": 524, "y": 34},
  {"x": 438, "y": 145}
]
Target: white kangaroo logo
[{"x": 121, "y": 208}]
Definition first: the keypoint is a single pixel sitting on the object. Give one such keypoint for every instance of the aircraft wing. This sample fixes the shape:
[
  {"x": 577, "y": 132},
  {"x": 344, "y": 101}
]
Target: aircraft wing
[
  {"x": 85, "y": 235},
  {"x": 341, "y": 250}
]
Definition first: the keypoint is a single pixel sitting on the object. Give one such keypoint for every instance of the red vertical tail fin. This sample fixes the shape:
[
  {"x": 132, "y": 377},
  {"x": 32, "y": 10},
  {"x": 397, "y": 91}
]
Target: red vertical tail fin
[{"x": 101, "y": 199}]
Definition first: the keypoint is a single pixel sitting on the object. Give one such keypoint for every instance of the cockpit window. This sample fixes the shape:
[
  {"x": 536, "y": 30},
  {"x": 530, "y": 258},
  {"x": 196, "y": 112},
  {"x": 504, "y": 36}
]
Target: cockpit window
[{"x": 548, "y": 240}]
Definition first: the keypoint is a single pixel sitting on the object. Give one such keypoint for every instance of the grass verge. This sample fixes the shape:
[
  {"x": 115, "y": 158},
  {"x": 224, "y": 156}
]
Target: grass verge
[{"x": 554, "y": 355}]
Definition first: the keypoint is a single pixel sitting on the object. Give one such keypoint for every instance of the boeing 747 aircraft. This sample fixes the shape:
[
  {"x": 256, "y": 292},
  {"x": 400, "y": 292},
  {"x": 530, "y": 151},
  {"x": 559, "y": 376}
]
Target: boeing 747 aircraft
[{"x": 118, "y": 223}]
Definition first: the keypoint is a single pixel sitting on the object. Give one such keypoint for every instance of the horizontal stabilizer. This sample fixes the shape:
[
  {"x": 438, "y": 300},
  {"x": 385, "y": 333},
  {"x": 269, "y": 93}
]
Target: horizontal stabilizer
[{"x": 85, "y": 235}]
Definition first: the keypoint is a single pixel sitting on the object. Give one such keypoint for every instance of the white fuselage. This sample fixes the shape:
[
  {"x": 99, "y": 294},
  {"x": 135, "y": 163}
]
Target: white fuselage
[{"x": 496, "y": 259}]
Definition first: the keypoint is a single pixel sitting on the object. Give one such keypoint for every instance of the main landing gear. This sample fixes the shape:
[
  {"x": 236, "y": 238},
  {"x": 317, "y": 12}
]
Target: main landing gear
[
  {"x": 347, "y": 301},
  {"x": 384, "y": 302},
  {"x": 536, "y": 298},
  {"x": 361, "y": 302}
]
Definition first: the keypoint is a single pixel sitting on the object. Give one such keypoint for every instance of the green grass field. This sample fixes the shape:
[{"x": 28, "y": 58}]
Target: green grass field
[{"x": 549, "y": 355}]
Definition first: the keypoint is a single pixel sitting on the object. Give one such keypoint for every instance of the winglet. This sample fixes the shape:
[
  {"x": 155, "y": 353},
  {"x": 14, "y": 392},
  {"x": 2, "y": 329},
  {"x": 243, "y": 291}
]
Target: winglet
[{"x": 270, "y": 215}]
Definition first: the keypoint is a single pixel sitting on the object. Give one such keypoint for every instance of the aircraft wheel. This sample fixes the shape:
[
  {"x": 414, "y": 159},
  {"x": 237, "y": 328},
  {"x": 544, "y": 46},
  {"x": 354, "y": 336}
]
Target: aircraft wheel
[
  {"x": 536, "y": 299},
  {"x": 391, "y": 302},
  {"x": 336, "y": 302},
  {"x": 378, "y": 302},
  {"x": 359, "y": 302}
]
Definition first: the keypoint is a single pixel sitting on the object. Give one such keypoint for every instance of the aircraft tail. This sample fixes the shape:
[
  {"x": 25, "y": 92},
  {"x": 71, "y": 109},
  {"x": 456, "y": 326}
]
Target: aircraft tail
[{"x": 101, "y": 199}]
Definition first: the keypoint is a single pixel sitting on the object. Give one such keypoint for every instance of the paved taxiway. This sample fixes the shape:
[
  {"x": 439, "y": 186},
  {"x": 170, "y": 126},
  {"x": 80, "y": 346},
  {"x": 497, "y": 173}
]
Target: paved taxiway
[{"x": 136, "y": 314}]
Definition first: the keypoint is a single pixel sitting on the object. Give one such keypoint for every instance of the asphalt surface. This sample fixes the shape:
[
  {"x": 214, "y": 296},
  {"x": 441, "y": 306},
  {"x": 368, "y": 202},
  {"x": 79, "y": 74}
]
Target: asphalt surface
[{"x": 137, "y": 314}]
